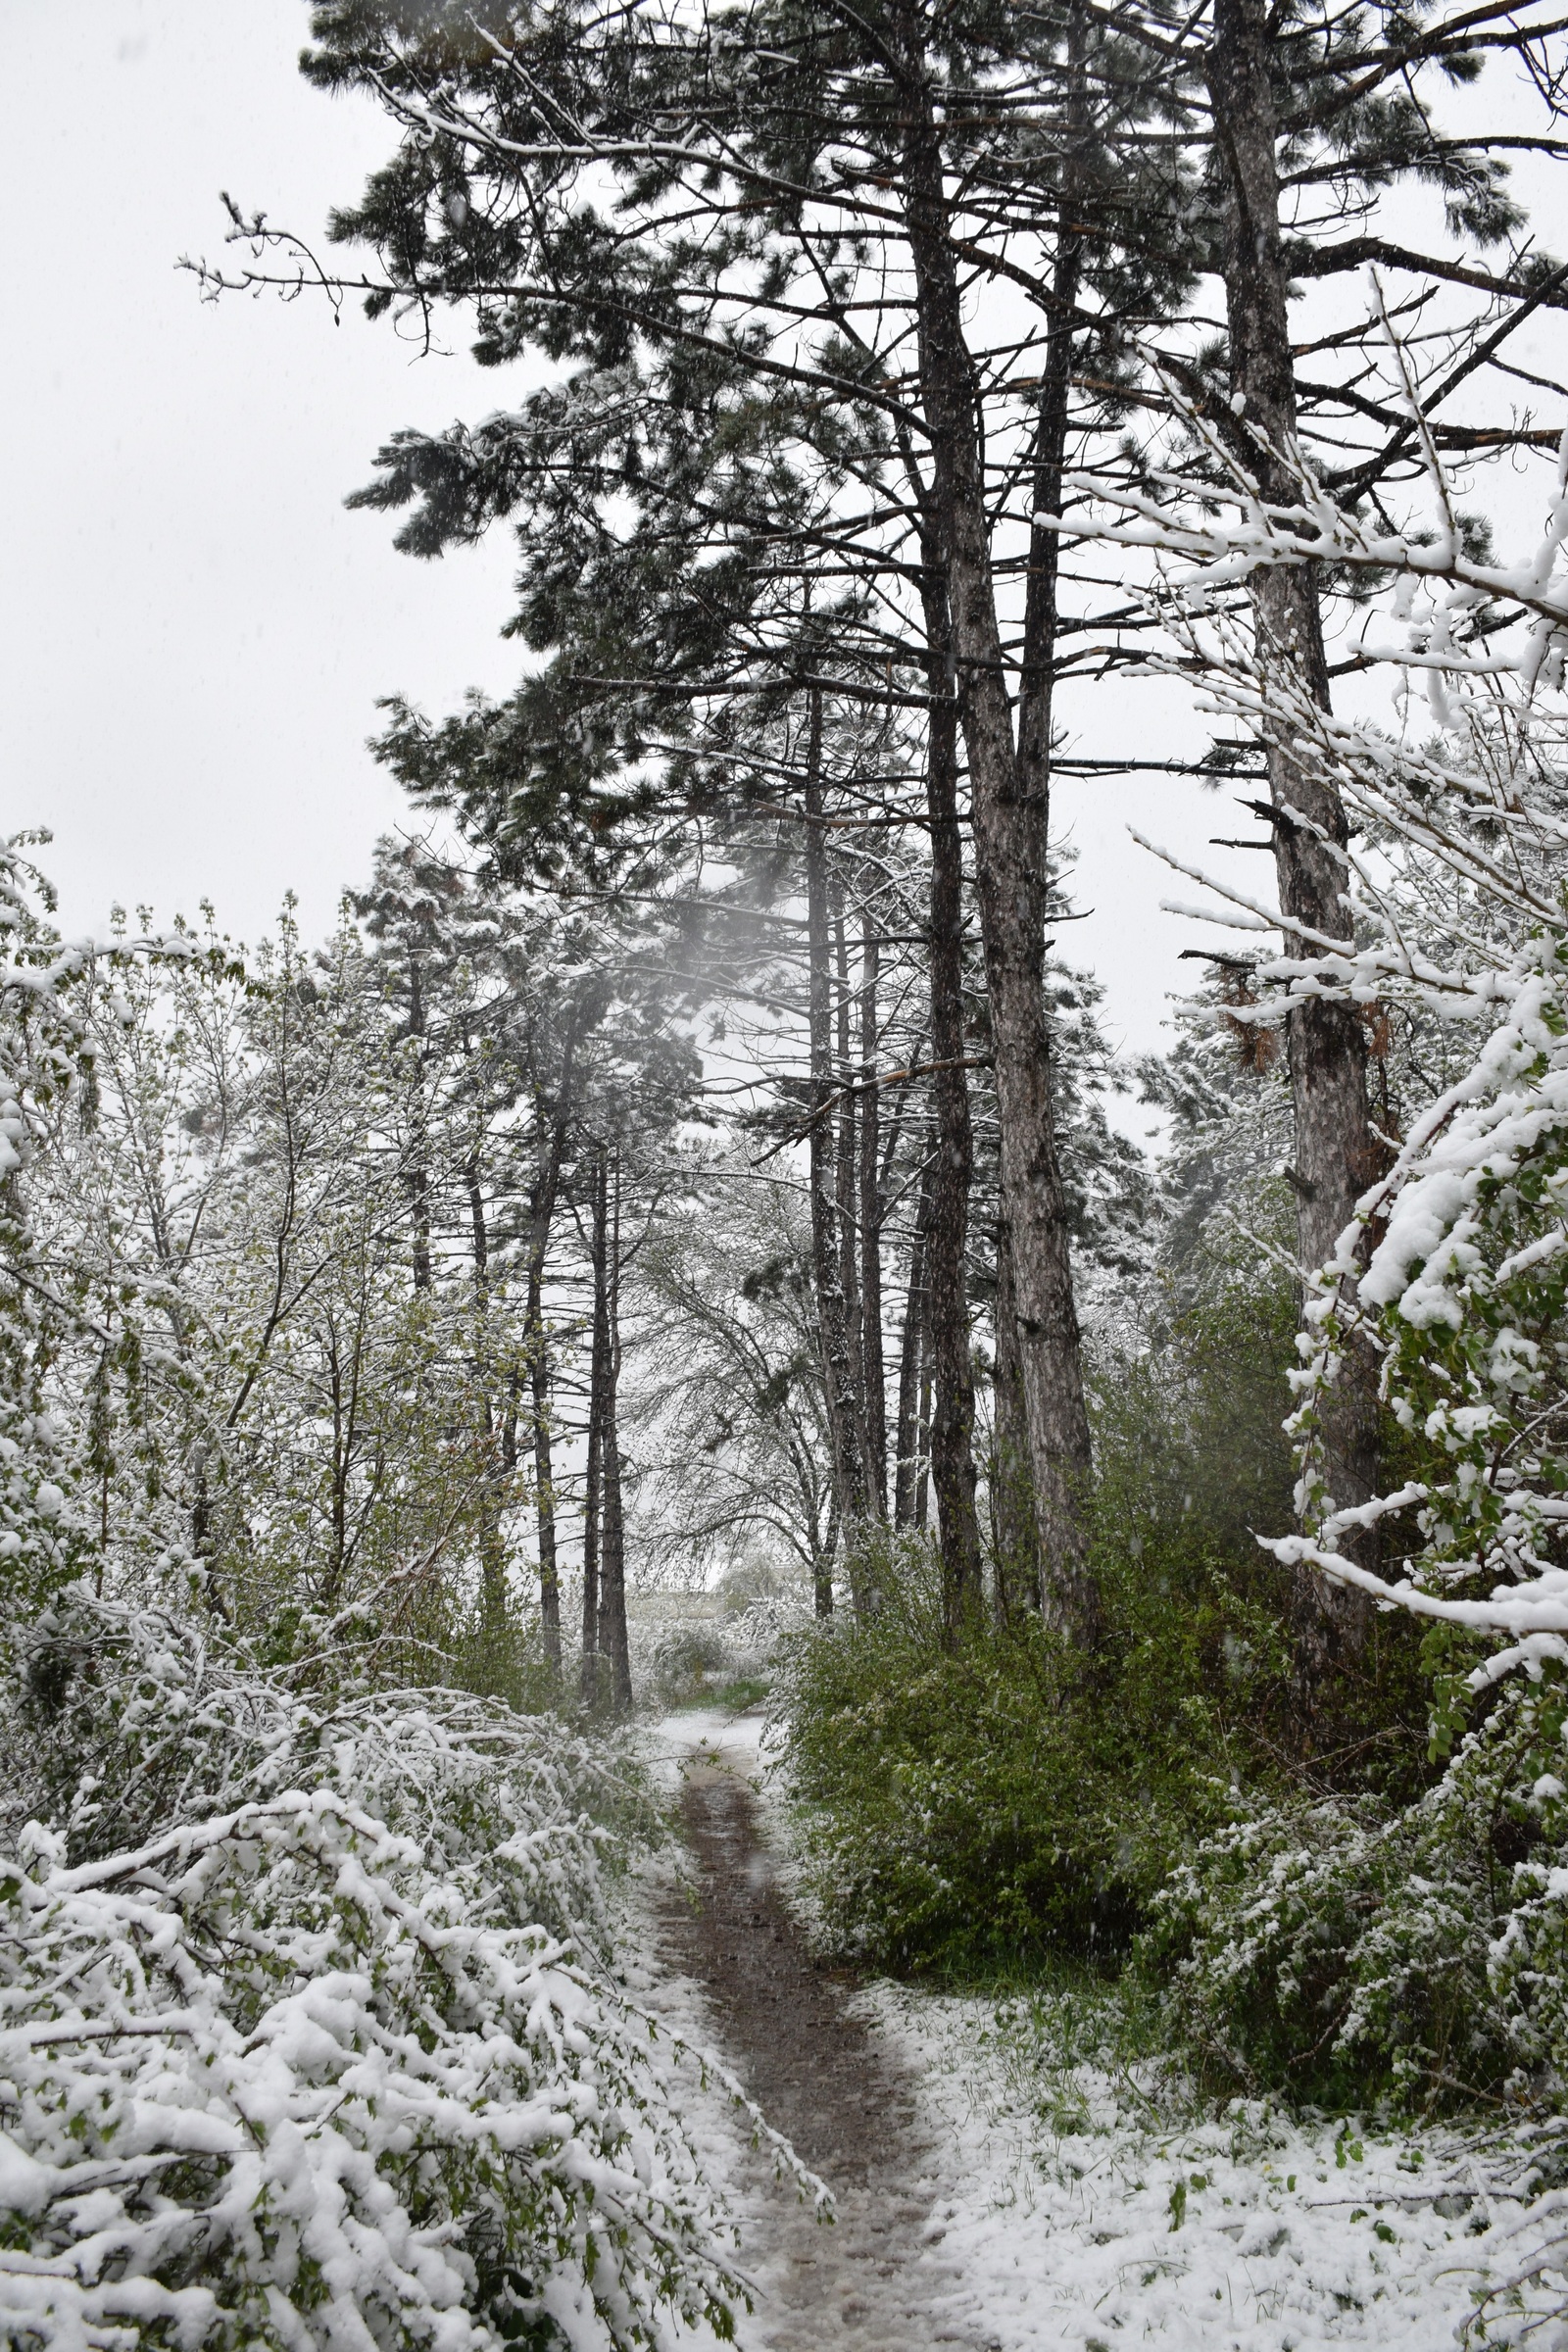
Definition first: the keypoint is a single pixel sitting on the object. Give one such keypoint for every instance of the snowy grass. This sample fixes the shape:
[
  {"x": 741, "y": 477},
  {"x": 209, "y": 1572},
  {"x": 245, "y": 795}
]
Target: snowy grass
[{"x": 1096, "y": 2203}]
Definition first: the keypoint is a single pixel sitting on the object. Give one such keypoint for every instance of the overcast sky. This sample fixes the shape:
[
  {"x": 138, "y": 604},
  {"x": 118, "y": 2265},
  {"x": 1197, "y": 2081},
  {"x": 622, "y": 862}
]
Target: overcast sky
[{"x": 194, "y": 631}]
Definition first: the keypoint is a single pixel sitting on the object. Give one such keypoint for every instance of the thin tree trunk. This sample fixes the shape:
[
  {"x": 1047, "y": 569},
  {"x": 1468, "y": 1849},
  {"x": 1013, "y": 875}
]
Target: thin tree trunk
[
  {"x": 1016, "y": 1535},
  {"x": 614, "y": 1645},
  {"x": 492, "y": 1539},
  {"x": 906, "y": 1453},
  {"x": 593, "y": 1482},
  {"x": 542, "y": 1210},
  {"x": 1011, "y": 884},
  {"x": 420, "y": 1153},
  {"x": 873, "y": 1372},
  {"x": 827, "y": 1263},
  {"x": 544, "y": 1503},
  {"x": 923, "y": 1431},
  {"x": 946, "y": 1327},
  {"x": 823, "y": 1552},
  {"x": 1335, "y": 1155},
  {"x": 845, "y": 1177}
]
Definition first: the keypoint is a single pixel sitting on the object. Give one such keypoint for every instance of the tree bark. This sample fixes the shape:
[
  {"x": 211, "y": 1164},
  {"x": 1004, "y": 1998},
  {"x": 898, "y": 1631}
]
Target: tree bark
[
  {"x": 946, "y": 1206},
  {"x": 420, "y": 1143},
  {"x": 1016, "y": 1536},
  {"x": 541, "y": 1214},
  {"x": 872, "y": 1369},
  {"x": 594, "y": 1475},
  {"x": 846, "y": 1164},
  {"x": 1336, "y": 1155},
  {"x": 492, "y": 1539},
  {"x": 844, "y": 1422},
  {"x": 1010, "y": 882},
  {"x": 614, "y": 1645},
  {"x": 906, "y": 1440}
]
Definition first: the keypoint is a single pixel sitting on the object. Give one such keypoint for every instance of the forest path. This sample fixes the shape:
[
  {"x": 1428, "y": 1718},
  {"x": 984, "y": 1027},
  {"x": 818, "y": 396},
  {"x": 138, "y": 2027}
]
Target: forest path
[{"x": 874, "y": 2280}]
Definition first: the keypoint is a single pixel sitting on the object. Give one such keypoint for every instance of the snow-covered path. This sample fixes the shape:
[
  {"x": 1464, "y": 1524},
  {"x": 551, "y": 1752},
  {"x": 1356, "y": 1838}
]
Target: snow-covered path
[
  {"x": 988, "y": 2199},
  {"x": 734, "y": 1971}
]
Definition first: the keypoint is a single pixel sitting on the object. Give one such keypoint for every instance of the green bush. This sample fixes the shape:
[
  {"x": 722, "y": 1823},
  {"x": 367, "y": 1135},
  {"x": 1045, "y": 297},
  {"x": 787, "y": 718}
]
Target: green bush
[
  {"x": 979, "y": 1808},
  {"x": 1344, "y": 1952},
  {"x": 982, "y": 1808}
]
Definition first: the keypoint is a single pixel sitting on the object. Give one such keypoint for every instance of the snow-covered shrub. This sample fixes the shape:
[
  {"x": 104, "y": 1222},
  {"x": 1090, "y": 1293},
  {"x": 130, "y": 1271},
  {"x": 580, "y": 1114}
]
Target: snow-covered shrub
[
  {"x": 285, "y": 2077},
  {"x": 756, "y": 1632},
  {"x": 1344, "y": 1952},
  {"x": 301, "y": 2039},
  {"x": 129, "y": 1720},
  {"x": 1464, "y": 1299},
  {"x": 44, "y": 1051},
  {"x": 688, "y": 1658},
  {"x": 699, "y": 1656}
]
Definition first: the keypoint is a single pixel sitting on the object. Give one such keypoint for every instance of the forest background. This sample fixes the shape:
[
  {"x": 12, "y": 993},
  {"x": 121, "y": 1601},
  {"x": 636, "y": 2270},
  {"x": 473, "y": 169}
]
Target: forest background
[{"x": 689, "y": 1160}]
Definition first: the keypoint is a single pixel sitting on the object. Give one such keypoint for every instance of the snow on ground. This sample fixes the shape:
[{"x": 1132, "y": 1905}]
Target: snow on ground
[
  {"x": 1072, "y": 2205},
  {"x": 1084, "y": 2219}
]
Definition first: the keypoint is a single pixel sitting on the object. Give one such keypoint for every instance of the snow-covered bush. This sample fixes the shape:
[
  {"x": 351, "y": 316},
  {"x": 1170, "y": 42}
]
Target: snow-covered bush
[
  {"x": 129, "y": 1720},
  {"x": 1339, "y": 1950},
  {"x": 688, "y": 1658},
  {"x": 302, "y": 2039},
  {"x": 1463, "y": 1299},
  {"x": 43, "y": 1051},
  {"x": 699, "y": 1655}
]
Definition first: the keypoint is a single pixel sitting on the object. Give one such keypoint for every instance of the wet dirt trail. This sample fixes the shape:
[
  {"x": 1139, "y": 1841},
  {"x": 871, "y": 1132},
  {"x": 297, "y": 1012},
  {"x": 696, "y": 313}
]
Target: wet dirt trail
[{"x": 875, "y": 2280}]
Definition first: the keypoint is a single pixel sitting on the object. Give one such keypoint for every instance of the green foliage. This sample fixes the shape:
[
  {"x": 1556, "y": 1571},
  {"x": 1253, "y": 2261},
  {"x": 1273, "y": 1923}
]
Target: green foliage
[
  {"x": 745, "y": 1691},
  {"x": 1193, "y": 1466},
  {"x": 509, "y": 1663},
  {"x": 1346, "y": 1951},
  {"x": 987, "y": 1807},
  {"x": 980, "y": 1808}
]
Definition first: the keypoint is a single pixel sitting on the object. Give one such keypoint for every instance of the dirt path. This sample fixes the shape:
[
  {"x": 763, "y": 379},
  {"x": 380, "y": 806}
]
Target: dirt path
[{"x": 874, "y": 2281}]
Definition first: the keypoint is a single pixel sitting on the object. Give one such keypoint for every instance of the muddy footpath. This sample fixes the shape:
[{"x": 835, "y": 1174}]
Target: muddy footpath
[{"x": 874, "y": 2280}]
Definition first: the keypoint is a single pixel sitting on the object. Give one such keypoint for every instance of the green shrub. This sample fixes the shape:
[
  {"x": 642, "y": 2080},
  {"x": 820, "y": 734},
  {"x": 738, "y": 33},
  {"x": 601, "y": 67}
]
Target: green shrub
[
  {"x": 983, "y": 1808},
  {"x": 977, "y": 1809},
  {"x": 1344, "y": 1952}
]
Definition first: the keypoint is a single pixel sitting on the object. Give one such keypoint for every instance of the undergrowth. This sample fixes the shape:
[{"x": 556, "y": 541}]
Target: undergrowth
[{"x": 1367, "y": 1924}]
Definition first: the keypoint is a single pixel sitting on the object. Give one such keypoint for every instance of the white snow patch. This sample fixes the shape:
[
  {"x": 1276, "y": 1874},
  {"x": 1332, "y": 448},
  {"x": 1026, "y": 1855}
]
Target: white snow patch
[{"x": 1083, "y": 2219}]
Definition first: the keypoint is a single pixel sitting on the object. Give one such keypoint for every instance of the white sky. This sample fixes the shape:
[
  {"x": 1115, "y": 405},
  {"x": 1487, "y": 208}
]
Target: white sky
[{"x": 193, "y": 631}]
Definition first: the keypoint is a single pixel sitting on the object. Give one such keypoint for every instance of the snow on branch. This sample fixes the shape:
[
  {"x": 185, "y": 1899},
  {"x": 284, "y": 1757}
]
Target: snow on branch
[{"x": 326, "y": 2067}]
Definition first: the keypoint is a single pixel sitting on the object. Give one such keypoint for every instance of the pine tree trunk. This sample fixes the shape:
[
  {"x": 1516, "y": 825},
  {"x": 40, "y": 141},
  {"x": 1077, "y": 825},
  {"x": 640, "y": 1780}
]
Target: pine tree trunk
[
  {"x": 492, "y": 1536},
  {"x": 946, "y": 1327},
  {"x": 1335, "y": 1154},
  {"x": 873, "y": 1370},
  {"x": 594, "y": 1476},
  {"x": 922, "y": 1430},
  {"x": 614, "y": 1645},
  {"x": 844, "y": 1422},
  {"x": 906, "y": 1440},
  {"x": 847, "y": 1165},
  {"x": 1010, "y": 888},
  {"x": 1018, "y": 1566},
  {"x": 1018, "y": 1538},
  {"x": 545, "y": 1506},
  {"x": 419, "y": 1141},
  {"x": 541, "y": 1215}
]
